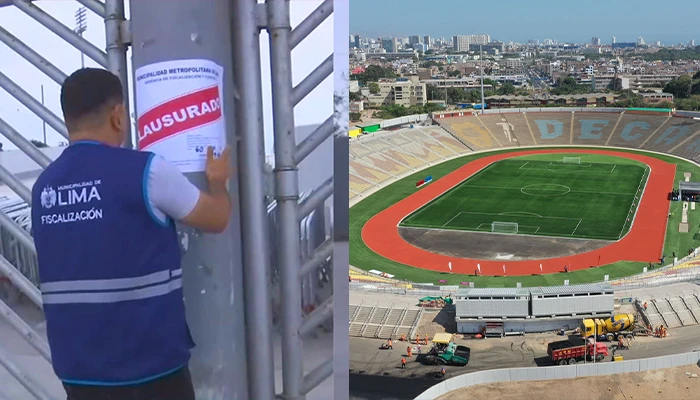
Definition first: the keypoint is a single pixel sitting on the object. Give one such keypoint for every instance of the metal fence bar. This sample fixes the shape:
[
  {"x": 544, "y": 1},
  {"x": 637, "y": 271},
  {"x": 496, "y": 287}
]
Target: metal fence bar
[
  {"x": 320, "y": 254},
  {"x": 21, "y": 282},
  {"x": 254, "y": 218},
  {"x": 287, "y": 195},
  {"x": 316, "y": 198},
  {"x": 318, "y": 75},
  {"x": 62, "y": 31},
  {"x": 320, "y": 315},
  {"x": 33, "y": 105},
  {"x": 316, "y": 376},
  {"x": 318, "y": 136},
  {"x": 116, "y": 52},
  {"x": 33, "y": 338},
  {"x": 16, "y": 185},
  {"x": 311, "y": 22},
  {"x": 23, "y": 144},
  {"x": 32, "y": 56},
  {"x": 17, "y": 232},
  {"x": 95, "y": 6},
  {"x": 24, "y": 378}
]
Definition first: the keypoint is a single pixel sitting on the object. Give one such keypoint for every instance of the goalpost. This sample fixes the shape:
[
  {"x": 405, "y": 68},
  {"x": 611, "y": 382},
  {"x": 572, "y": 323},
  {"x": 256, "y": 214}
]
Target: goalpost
[
  {"x": 572, "y": 160},
  {"x": 504, "y": 227}
]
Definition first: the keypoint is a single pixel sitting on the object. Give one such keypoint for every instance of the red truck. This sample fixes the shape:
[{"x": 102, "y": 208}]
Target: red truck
[{"x": 575, "y": 349}]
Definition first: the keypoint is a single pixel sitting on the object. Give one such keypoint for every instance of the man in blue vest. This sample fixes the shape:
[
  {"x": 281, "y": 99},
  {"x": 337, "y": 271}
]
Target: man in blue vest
[{"x": 108, "y": 252}]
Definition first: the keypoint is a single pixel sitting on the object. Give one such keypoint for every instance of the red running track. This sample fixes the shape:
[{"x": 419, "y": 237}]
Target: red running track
[{"x": 644, "y": 242}]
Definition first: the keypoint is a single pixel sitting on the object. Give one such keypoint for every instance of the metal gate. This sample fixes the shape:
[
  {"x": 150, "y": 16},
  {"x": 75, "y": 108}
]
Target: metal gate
[{"x": 285, "y": 239}]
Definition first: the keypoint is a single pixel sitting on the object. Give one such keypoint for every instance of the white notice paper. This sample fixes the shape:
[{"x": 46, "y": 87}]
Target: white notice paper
[{"x": 179, "y": 111}]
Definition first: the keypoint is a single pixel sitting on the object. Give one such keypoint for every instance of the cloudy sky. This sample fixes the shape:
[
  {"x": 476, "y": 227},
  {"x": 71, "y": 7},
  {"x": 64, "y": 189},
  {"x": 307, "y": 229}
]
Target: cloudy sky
[{"x": 314, "y": 109}]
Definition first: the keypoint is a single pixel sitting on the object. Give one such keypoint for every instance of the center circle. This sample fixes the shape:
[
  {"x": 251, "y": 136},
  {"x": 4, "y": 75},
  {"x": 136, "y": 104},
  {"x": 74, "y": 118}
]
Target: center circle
[{"x": 545, "y": 189}]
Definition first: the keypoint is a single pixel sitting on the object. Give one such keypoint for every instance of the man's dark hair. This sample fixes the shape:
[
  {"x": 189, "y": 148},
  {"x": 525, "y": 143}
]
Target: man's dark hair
[{"x": 87, "y": 93}]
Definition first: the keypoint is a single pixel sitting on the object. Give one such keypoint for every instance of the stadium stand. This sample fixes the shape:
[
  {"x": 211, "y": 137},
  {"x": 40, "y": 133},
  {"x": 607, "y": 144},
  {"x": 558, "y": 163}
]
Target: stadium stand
[
  {"x": 382, "y": 322},
  {"x": 377, "y": 157}
]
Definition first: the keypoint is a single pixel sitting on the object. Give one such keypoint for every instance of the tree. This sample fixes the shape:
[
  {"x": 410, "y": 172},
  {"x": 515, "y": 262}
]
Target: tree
[
  {"x": 373, "y": 73},
  {"x": 38, "y": 143},
  {"x": 506, "y": 89},
  {"x": 454, "y": 73},
  {"x": 355, "y": 96},
  {"x": 355, "y": 116},
  {"x": 680, "y": 88},
  {"x": 696, "y": 76},
  {"x": 373, "y": 87}
]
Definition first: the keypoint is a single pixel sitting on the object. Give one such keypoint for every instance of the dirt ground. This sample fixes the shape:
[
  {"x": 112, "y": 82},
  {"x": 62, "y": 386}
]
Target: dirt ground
[
  {"x": 493, "y": 246},
  {"x": 667, "y": 384}
]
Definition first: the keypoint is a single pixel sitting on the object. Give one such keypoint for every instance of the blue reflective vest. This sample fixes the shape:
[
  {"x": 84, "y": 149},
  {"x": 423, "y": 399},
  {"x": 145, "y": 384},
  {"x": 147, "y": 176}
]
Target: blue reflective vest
[{"x": 110, "y": 271}]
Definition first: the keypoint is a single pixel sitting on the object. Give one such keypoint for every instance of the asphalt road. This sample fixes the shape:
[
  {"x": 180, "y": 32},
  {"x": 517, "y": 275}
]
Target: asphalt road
[{"x": 527, "y": 351}]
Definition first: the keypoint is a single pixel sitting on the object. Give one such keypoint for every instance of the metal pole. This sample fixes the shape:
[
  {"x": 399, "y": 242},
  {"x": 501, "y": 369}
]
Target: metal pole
[
  {"x": 311, "y": 22},
  {"x": 481, "y": 64},
  {"x": 116, "y": 51},
  {"x": 254, "y": 218},
  {"x": 23, "y": 144},
  {"x": 212, "y": 265},
  {"x": 43, "y": 121},
  {"x": 62, "y": 31},
  {"x": 21, "y": 327},
  {"x": 287, "y": 195},
  {"x": 32, "y": 56},
  {"x": 24, "y": 378}
]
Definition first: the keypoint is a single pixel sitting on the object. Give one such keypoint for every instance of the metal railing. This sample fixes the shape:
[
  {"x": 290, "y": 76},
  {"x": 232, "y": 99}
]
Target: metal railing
[{"x": 283, "y": 240}]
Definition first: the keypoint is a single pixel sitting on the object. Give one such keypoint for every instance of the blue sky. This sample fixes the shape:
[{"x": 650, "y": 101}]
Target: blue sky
[
  {"x": 312, "y": 110},
  {"x": 520, "y": 20}
]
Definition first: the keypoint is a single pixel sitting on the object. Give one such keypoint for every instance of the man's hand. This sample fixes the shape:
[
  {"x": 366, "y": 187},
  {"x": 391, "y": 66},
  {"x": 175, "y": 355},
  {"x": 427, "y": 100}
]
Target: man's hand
[{"x": 218, "y": 170}]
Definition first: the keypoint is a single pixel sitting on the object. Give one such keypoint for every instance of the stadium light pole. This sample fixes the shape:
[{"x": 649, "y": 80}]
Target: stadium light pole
[
  {"x": 481, "y": 63},
  {"x": 80, "y": 28},
  {"x": 43, "y": 121}
]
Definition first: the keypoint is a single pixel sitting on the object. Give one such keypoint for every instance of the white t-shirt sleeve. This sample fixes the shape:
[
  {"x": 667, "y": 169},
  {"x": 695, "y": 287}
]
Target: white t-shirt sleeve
[{"x": 168, "y": 192}]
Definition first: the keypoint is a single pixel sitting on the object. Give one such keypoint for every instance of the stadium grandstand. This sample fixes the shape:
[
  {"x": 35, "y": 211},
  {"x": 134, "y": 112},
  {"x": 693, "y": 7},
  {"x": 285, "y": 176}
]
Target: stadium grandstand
[{"x": 379, "y": 158}]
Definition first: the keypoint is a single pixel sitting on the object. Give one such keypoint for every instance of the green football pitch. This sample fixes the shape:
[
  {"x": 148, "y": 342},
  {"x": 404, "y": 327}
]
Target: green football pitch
[{"x": 564, "y": 198}]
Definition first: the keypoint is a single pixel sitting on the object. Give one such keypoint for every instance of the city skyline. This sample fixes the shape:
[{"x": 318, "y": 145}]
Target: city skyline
[{"x": 514, "y": 23}]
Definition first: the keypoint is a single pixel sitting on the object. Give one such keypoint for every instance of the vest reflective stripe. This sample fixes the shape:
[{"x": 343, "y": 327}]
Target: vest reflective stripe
[
  {"x": 113, "y": 297},
  {"x": 109, "y": 284}
]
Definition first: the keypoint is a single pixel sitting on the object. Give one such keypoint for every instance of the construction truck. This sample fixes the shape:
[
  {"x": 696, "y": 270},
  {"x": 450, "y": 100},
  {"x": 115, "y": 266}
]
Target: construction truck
[
  {"x": 447, "y": 352},
  {"x": 575, "y": 349},
  {"x": 610, "y": 329}
]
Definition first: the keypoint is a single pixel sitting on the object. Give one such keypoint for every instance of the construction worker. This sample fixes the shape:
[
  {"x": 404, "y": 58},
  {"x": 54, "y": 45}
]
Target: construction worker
[
  {"x": 426, "y": 338},
  {"x": 645, "y": 306},
  {"x": 403, "y": 362},
  {"x": 417, "y": 339},
  {"x": 620, "y": 342},
  {"x": 403, "y": 337},
  {"x": 126, "y": 335},
  {"x": 390, "y": 344},
  {"x": 409, "y": 351},
  {"x": 443, "y": 372}
]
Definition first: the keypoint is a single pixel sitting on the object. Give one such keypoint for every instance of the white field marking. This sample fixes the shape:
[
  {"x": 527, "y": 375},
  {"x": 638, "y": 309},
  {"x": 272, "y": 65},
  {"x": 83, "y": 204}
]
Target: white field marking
[
  {"x": 486, "y": 213},
  {"x": 573, "y": 191},
  {"x": 488, "y": 225},
  {"x": 521, "y": 167},
  {"x": 641, "y": 194},
  {"x": 579, "y": 223},
  {"x": 521, "y": 214},
  {"x": 452, "y": 219},
  {"x": 613, "y": 168},
  {"x": 546, "y": 234},
  {"x": 551, "y": 163}
]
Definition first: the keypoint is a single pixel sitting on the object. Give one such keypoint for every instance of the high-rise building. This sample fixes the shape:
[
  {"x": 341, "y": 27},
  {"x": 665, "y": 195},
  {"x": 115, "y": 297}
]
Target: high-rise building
[
  {"x": 614, "y": 40},
  {"x": 595, "y": 41},
  {"x": 415, "y": 39},
  {"x": 692, "y": 43},
  {"x": 391, "y": 45},
  {"x": 460, "y": 43},
  {"x": 640, "y": 41},
  {"x": 426, "y": 40}
]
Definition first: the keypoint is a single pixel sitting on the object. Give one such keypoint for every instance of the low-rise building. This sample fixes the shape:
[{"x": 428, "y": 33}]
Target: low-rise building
[{"x": 405, "y": 92}]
